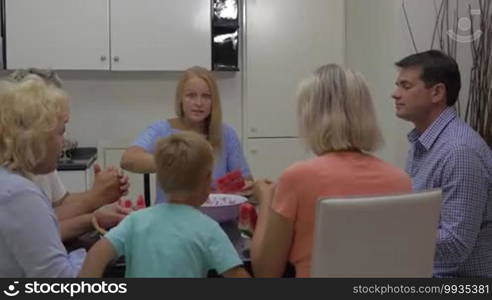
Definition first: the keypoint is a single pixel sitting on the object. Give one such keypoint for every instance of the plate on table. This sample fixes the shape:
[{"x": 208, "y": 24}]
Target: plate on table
[{"x": 222, "y": 207}]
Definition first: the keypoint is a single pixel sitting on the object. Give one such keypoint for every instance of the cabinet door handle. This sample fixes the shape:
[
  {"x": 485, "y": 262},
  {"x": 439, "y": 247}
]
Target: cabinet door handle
[
  {"x": 116, "y": 59},
  {"x": 103, "y": 57}
]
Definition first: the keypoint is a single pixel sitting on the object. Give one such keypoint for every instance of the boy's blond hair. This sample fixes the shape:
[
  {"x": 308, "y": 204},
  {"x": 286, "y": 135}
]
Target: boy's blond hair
[{"x": 182, "y": 161}]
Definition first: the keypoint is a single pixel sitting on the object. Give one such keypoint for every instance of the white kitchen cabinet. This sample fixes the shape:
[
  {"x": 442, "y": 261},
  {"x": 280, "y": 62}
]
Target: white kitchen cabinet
[
  {"x": 108, "y": 34},
  {"x": 112, "y": 157},
  {"x": 77, "y": 181},
  {"x": 57, "y": 34},
  {"x": 160, "y": 35},
  {"x": 286, "y": 41},
  {"x": 269, "y": 157}
]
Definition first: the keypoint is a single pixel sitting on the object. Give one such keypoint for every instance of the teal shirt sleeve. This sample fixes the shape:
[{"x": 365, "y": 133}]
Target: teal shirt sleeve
[
  {"x": 119, "y": 236},
  {"x": 221, "y": 256}
]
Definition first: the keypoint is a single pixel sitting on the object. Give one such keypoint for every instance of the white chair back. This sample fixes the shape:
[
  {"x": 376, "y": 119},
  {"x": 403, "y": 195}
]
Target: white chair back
[{"x": 387, "y": 236}]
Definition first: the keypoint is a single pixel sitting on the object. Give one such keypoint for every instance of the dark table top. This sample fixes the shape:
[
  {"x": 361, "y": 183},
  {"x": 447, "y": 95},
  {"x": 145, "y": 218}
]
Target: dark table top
[{"x": 78, "y": 159}]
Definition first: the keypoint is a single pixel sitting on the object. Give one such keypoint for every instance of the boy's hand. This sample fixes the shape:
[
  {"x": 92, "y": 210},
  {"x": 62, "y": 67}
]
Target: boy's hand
[{"x": 236, "y": 272}]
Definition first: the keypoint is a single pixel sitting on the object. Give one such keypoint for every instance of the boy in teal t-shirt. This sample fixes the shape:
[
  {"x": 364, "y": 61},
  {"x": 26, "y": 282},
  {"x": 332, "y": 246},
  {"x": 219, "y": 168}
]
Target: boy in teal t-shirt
[{"x": 172, "y": 239}]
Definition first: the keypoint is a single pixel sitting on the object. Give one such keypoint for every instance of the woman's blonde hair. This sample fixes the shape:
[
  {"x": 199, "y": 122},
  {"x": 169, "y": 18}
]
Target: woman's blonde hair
[
  {"x": 182, "y": 161},
  {"x": 213, "y": 123},
  {"x": 29, "y": 110},
  {"x": 336, "y": 113}
]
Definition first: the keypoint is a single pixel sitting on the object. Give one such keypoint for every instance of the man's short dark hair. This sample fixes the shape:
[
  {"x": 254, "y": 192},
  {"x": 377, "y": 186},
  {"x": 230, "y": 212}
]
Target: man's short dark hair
[{"x": 437, "y": 67}]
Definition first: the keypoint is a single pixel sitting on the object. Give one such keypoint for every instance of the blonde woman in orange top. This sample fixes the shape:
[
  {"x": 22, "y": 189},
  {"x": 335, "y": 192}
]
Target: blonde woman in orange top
[{"x": 337, "y": 120}]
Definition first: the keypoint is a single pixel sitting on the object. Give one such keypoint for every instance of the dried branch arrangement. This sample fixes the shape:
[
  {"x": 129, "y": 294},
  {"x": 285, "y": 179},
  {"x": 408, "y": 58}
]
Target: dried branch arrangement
[
  {"x": 478, "y": 110},
  {"x": 479, "y": 107}
]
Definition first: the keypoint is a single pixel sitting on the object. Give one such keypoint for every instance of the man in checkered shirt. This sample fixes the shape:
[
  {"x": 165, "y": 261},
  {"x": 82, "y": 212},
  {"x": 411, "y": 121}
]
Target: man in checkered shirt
[{"x": 446, "y": 153}]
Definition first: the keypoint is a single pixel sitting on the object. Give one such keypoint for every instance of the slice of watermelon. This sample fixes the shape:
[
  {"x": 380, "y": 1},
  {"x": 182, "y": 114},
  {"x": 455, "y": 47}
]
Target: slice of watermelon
[
  {"x": 247, "y": 219},
  {"x": 140, "y": 202},
  {"x": 230, "y": 183},
  {"x": 127, "y": 203}
]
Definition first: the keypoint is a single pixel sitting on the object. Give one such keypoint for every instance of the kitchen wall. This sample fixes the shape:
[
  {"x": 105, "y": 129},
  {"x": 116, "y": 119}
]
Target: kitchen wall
[{"x": 111, "y": 108}]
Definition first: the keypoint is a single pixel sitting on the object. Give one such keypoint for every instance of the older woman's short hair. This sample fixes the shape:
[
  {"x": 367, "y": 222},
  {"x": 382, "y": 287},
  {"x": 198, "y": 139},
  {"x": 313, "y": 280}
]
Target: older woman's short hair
[
  {"x": 214, "y": 121},
  {"x": 182, "y": 161},
  {"x": 336, "y": 113},
  {"x": 29, "y": 110},
  {"x": 48, "y": 75}
]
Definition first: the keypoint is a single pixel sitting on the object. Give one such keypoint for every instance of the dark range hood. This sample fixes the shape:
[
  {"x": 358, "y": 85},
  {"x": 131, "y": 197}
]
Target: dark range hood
[{"x": 225, "y": 35}]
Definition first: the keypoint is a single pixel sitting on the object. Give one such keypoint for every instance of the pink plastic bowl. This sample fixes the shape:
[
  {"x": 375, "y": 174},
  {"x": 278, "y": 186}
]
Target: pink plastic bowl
[{"x": 222, "y": 207}]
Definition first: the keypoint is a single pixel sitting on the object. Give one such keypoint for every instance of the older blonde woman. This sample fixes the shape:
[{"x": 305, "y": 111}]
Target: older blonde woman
[
  {"x": 338, "y": 122},
  {"x": 75, "y": 210},
  {"x": 198, "y": 109},
  {"x": 32, "y": 122}
]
